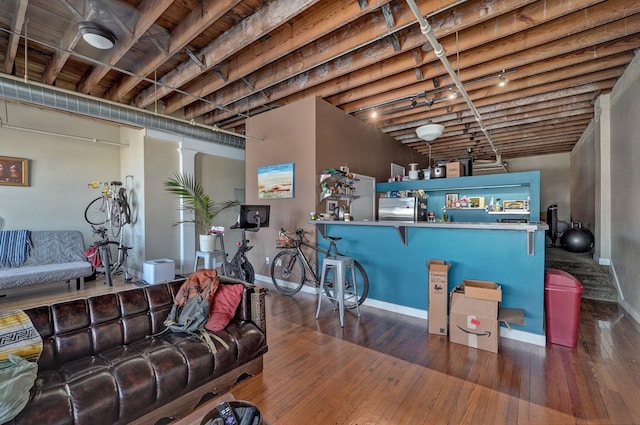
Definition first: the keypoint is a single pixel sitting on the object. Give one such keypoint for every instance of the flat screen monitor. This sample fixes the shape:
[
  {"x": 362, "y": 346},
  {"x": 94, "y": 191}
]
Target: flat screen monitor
[{"x": 249, "y": 213}]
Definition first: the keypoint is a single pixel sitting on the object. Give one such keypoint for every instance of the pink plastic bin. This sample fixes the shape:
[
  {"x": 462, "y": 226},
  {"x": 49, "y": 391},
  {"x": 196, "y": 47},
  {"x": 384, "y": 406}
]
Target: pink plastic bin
[{"x": 562, "y": 307}]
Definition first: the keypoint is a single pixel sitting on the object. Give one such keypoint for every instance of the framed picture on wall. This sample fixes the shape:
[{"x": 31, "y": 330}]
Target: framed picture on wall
[
  {"x": 451, "y": 200},
  {"x": 276, "y": 181},
  {"x": 13, "y": 171}
]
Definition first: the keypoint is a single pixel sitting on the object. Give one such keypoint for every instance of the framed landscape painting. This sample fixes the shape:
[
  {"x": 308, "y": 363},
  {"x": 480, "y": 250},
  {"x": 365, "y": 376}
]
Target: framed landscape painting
[
  {"x": 275, "y": 181},
  {"x": 13, "y": 171}
]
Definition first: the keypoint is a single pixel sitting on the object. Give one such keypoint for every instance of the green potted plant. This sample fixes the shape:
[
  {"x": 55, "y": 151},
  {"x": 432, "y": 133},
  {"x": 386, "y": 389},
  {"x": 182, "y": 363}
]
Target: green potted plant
[{"x": 194, "y": 199}]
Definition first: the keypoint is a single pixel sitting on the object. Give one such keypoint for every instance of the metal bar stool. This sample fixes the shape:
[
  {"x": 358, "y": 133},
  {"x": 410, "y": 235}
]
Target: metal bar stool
[
  {"x": 339, "y": 265},
  {"x": 212, "y": 259}
]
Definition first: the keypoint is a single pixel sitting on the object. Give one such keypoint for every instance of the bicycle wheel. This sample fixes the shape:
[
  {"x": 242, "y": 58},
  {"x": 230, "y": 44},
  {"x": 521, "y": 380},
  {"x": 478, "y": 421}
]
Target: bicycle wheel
[
  {"x": 362, "y": 284},
  {"x": 105, "y": 257},
  {"x": 287, "y": 272},
  {"x": 96, "y": 212},
  {"x": 116, "y": 218},
  {"x": 123, "y": 267},
  {"x": 124, "y": 206},
  {"x": 112, "y": 252}
]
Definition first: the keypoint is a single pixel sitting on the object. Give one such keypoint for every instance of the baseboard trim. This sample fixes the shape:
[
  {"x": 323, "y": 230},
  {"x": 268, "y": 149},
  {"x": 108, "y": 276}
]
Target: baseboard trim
[{"x": 514, "y": 334}]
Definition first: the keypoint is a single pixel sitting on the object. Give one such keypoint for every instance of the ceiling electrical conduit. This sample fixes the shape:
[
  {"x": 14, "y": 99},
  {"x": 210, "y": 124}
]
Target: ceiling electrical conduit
[
  {"x": 425, "y": 28},
  {"x": 66, "y": 136}
]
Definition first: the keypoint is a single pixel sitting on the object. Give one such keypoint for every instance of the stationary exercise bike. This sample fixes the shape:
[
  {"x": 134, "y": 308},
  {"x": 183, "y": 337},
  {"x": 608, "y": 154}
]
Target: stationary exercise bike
[{"x": 250, "y": 219}]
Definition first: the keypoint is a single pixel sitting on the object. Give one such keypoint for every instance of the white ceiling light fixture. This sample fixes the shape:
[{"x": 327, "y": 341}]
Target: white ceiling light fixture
[
  {"x": 430, "y": 131},
  {"x": 96, "y": 35}
]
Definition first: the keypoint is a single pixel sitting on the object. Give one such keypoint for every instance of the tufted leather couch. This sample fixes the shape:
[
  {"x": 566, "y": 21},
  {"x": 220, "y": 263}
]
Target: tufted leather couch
[{"x": 102, "y": 363}]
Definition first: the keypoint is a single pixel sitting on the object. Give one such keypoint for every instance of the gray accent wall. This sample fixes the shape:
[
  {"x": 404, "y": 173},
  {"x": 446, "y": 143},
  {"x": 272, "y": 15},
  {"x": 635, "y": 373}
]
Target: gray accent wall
[{"x": 625, "y": 186}]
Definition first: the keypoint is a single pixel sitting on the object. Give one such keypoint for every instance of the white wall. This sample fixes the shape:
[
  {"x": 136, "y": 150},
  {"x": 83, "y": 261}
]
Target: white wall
[
  {"x": 61, "y": 165},
  {"x": 59, "y": 168}
]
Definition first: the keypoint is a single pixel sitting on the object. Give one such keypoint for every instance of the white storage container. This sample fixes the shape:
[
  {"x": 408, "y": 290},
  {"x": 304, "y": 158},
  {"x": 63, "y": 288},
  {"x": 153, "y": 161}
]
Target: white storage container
[{"x": 158, "y": 271}]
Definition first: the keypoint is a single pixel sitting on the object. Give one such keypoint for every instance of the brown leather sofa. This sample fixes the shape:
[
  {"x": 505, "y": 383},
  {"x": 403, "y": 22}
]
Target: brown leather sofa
[{"x": 102, "y": 363}]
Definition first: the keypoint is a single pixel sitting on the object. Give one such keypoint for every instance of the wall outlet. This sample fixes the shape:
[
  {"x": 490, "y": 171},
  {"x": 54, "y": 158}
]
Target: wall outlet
[{"x": 266, "y": 260}]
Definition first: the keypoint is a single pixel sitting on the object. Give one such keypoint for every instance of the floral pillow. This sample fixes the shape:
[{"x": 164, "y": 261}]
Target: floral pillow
[{"x": 224, "y": 305}]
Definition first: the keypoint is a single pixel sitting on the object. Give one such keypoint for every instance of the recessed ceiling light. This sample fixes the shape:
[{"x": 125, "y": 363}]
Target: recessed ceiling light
[{"x": 96, "y": 35}]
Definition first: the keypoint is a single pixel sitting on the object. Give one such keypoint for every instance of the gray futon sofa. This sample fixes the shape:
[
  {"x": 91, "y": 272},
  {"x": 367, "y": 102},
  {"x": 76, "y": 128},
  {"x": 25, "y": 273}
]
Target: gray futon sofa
[{"x": 55, "y": 256}]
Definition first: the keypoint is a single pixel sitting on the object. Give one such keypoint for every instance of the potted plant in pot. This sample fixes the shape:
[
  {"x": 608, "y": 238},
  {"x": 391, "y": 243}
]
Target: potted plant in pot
[{"x": 195, "y": 200}]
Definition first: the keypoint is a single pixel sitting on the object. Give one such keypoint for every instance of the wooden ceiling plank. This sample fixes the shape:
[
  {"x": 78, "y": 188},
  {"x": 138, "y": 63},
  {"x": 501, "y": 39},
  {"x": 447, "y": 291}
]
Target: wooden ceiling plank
[
  {"x": 581, "y": 44},
  {"x": 541, "y": 34},
  {"x": 370, "y": 53},
  {"x": 195, "y": 23},
  {"x": 67, "y": 43},
  {"x": 533, "y": 95},
  {"x": 490, "y": 89},
  {"x": 468, "y": 126},
  {"x": 301, "y": 32},
  {"x": 148, "y": 12},
  {"x": 14, "y": 37},
  {"x": 621, "y": 50},
  {"x": 262, "y": 22},
  {"x": 518, "y": 132},
  {"x": 491, "y": 106}
]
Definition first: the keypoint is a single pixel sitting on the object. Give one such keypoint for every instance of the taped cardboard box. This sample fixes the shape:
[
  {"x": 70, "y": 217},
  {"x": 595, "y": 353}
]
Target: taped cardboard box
[
  {"x": 475, "y": 322},
  {"x": 438, "y": 296}
]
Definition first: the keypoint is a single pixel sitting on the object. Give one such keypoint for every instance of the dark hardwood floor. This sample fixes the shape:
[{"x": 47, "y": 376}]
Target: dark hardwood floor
[{"x": 384, "y": 368}]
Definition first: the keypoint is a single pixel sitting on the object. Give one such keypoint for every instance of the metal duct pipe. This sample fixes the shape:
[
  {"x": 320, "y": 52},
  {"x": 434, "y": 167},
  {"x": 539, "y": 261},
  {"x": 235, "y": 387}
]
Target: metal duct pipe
[
  {"x": 42, "y": 95},
  {"x": 439, "y": 51}
]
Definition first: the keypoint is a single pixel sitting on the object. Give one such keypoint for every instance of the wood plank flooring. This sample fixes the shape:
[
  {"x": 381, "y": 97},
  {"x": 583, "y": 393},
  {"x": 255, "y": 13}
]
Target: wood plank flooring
[{"x": 384, "y": 368}]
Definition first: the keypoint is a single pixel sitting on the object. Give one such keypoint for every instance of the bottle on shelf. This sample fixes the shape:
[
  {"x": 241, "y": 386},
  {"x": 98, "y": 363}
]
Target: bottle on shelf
[{"x": 497, "y": 206}]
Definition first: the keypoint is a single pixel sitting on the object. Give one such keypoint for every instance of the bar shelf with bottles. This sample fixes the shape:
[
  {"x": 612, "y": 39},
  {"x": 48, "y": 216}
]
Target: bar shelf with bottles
[{"x": 520, "y": 187}]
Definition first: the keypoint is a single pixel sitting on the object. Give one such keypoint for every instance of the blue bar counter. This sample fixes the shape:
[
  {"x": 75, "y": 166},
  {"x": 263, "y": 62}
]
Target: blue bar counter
[
  {"x": 476, "y": 243},
  {"x": 395, "y": 257}
]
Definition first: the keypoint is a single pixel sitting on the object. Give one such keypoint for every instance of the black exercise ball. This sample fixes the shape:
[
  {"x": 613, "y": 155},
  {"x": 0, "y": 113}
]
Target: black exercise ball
[{"x": 577, "y": 239}]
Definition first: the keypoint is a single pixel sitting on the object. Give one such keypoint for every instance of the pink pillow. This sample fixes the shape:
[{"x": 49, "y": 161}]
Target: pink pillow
[{"x": 224, "y": 305}]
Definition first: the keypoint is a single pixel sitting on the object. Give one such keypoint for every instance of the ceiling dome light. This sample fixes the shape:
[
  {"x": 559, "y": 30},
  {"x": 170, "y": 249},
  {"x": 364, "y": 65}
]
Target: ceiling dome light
[
  {"x": 429, "y": 131},
  {"x": 96, "y": 35}
]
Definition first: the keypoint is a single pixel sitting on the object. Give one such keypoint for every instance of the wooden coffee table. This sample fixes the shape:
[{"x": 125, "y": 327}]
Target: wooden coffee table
[{"x": 200, "y": 412}]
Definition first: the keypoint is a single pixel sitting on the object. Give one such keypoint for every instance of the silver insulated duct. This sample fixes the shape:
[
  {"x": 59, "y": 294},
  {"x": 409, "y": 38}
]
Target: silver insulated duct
[{"x": 42, "y": 95}]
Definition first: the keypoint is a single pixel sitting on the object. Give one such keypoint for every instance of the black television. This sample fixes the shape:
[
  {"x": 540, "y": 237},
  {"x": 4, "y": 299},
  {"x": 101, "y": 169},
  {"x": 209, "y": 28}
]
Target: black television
[{"x": 249, "y": 214}]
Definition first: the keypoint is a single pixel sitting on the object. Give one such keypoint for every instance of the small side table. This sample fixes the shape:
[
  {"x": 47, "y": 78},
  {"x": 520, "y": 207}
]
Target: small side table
[{"x": 212, "y": 260}]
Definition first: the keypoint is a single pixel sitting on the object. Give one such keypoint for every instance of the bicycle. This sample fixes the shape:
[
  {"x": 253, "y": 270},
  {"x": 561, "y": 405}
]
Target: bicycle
[
  {"x": 113, "y": 256},
  {"x": 112, "y": 206},
  {"x": 289, "y": 267}
]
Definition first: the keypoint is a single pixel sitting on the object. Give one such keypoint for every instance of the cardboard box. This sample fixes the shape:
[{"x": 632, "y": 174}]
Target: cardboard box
[
  {"x": 474, "y": 322},
  {"x": 482, "y": 289},
  {"x": 454, "y": 169},
  {"x": 438, "y": 296}
]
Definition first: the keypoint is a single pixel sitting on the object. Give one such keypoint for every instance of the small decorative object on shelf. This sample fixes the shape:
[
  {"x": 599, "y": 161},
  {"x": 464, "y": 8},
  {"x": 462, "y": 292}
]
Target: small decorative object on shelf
[{"x": 336, "y": 184}]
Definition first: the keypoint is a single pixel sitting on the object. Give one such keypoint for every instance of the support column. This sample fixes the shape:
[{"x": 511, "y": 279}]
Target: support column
[
  {"x": 603, "y": 188},
  {"x": 187, "y": 230}
]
